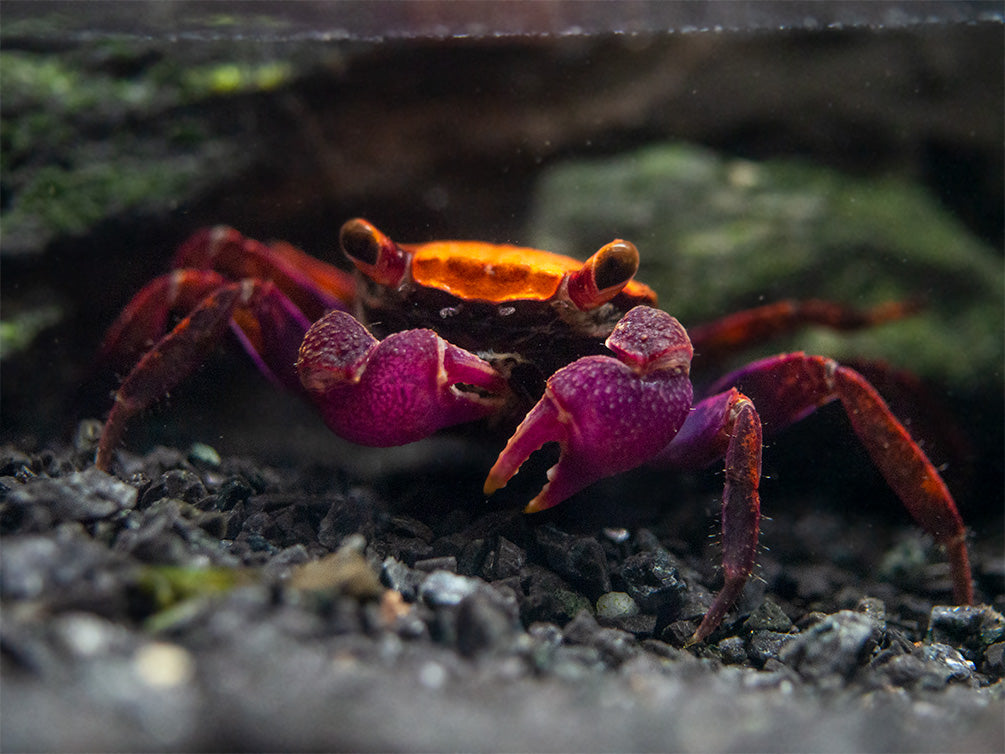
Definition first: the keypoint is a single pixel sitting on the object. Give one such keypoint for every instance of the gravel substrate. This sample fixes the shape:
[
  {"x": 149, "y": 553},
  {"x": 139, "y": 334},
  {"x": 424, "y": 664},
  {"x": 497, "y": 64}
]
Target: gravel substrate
[{"x": 203, "y": 604}]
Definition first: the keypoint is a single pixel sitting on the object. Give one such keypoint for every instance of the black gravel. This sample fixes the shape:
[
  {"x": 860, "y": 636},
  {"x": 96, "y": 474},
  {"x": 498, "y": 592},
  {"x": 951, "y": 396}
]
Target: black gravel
[{"x": 195, "y": 603}]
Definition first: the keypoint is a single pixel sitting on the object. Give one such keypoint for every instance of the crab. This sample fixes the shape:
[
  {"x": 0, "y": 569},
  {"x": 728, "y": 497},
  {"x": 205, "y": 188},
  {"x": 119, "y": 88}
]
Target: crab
[{"x": 421, "y": 337}]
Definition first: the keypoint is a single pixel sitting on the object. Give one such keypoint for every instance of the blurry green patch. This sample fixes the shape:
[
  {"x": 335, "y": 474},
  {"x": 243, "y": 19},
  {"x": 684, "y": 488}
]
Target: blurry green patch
[
  {"x": 222, "y": 20},
  {"x": 718, "y": 234},
  {"x": 70, "y": 201},
  {"x": 61, "y": 86},
  {"x": 100, "y": 129},
  {"x": 232, "y": 78},
  {"x": 18, "y": 332},
  {"x": 176, "y": 592},
  {"x": 169, "y": 585}
]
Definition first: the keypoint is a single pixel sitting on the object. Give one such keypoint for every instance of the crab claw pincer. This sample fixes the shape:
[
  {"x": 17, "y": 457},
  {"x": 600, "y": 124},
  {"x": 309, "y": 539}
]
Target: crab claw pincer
[
  {"x": 607, "y": 413},
  {"x": 394, "y": 391}
]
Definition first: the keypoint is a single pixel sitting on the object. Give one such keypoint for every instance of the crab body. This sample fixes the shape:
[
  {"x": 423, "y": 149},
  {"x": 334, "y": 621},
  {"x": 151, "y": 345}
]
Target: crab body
[
  {"x": 510, "y": 305},
  {"x": 428, "y": 336}
]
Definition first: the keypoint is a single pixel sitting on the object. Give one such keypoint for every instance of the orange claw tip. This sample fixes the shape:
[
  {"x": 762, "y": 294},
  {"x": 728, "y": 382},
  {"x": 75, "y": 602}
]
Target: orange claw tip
[
  {"x": 542, "y": 502},
  {"x": 496, "y": 479},
  {"x": 492, "y": 484},
  {"x": 536, "y": 505}
]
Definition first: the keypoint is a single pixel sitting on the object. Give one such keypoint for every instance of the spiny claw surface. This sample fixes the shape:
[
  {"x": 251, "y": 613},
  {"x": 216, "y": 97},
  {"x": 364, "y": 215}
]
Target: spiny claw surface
[
  {"x": 394, "y": 391},
  {"x": 607, "y": 414}
]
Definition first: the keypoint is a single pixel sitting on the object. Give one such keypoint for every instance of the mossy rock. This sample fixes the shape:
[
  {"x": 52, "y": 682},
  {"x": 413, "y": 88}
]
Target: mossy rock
[
  {"x": 719, "y": 234},
  {"x": 110, "y": 128}
]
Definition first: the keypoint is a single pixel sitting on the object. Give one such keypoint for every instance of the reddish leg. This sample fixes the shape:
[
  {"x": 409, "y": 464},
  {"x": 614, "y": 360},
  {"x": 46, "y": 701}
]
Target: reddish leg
[
  {"x": 312, "y": 285},
  {"x": 282, "y": 291},
  {"x": 144, "y": 321},
  {"x": 786, "y": 388},
  {"x": 752, "y": 326},
  {"x": 726, "y": 425},
  {"x": 267, "y": 323},
  {"x": 208, "y": 260}
]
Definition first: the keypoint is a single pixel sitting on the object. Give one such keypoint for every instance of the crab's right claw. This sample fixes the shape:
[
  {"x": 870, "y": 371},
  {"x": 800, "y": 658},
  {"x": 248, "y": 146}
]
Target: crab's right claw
[{"x": 607, "y": 414}]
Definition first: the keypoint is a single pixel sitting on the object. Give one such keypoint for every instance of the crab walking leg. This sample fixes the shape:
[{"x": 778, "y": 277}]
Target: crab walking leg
[
  {"x": 394, "y": 391},
  {"x": 210, "y": 259},
  {"x": 166, "y": 364},
  {"x": 270, "y": 327},
  {"x": 908, "y": 472},
  {"x": 752, "y": 326},
  {"x": 727, "y": 426},
  {"x": 786, "y": 388},
  {"x": 607, "y": 414},
  {"x": 313, "y": 286},
  {"x": 144, "y": 320}
]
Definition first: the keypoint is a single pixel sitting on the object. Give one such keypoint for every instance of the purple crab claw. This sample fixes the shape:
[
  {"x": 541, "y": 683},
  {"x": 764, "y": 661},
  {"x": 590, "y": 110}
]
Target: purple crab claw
[
  {"x": 607, "y": 413},
  {"x": 394, "y": 391}
]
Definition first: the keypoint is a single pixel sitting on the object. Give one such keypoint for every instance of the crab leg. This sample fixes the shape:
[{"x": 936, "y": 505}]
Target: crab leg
[
  {"x": 144, "y": 320},
  {"x": 313, "y": 286},
  {"x": 208, "y": 260},
  {"x": 607, "y": 414},
  {"x": 266, "y": 322},
  {"x": 752, "y": 326},
  {"x": 786, "y": 388},
  {"x": 727, "y": 426}
]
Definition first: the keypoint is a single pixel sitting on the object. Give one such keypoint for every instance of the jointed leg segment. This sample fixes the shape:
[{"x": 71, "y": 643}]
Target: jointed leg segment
[
  {"x": 266, "y": 322},
  {"x": 784, "y": 390},
  {"x": 727, "y": 426}
]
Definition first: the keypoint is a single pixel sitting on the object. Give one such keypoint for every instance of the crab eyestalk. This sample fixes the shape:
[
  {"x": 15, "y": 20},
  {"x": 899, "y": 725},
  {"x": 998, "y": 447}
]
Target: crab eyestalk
[
  {"x": 373, "y": 253},
  {"x": 604, "y": 275}
]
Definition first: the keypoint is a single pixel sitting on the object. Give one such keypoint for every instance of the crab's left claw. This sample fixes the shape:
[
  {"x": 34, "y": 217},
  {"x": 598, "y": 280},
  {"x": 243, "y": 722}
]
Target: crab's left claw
[
  {"x": 394, "y": 391},
  {"x": 607, "y": 414}
]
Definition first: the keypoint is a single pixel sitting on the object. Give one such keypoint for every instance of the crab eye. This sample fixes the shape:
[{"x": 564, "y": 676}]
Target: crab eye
[
  {"x": 604, "y": 275},
  {"x": 373, "y": 253},
  {"x": 360, "y": 241},
  {"x": 615, "y": 264}
]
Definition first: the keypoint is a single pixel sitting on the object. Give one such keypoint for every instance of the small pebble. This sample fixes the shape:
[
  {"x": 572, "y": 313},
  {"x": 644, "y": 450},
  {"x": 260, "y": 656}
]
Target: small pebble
[
  {"x": 164, "y": 665},
  {"x": 445, "y": 563},
  {"x": 343, "y": 572},
  {"x": 873, "y": 607},
  {"x": 200, "y": 452},
  {"x": 87, "y": 495},
  {"x": 652, "y": 580},
  {"x": 443, "y": 588},
  {"x": 483, "y": 625},
  {"x": 616, "y": 605},
  {"x": 835, "y": 646},
  {"x": 994, "y": 659},
  {"x": 766, "y": 645},
  {"x": 733, "y": 650},
  {"x": 966, "y": 626},
  {"x": 768, "y": 617},
  {"x": 396, "y": 575},
  {"x": 432, "y": 675}
]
